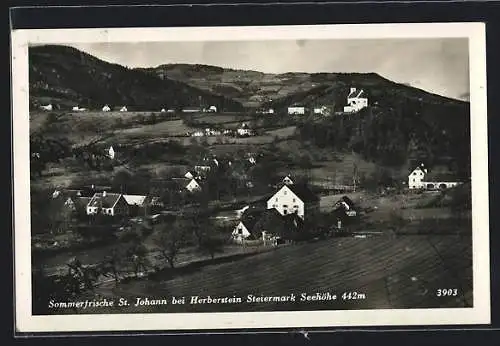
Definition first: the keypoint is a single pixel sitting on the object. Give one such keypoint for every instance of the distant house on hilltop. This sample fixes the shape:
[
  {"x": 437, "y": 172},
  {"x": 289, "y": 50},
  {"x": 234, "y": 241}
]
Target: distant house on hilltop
[
  {"x": 356, "y": 100},
  {"x": 421, "y": 178},
  {"x": 296, "y": 110},
  {"x": 294, "y": 199},
  {"x": 123, "y": 109},
  {"x": 106, "y": 108},
  {"x": 212, "y": 109}
]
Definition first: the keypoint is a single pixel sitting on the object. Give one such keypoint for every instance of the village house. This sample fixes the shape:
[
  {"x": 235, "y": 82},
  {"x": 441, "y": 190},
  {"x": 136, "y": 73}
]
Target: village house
[
  {"x": 193, "y": 186},
  {"x": 108, "y": 203},
  {"x": 123, "y": 109},
  {"x": 421, "y": 178},
  {"x": 244, "y": 130},
  {"x": 106, "y": 108},
  {"x": 241, "y": 231},
  {"x": 198, "y": 133},
  {"x": 163, "y": 110},
  {"x": 189, "y": 175},
  {"x": 78, "y": 109},
  {"x": 296, "y": 110},
  {"x": 71, "y": 199},
  {"x": 294, "y": 199},
  {"x": 137, "y": 204},
  {"x": 269, "y": 226},
  {"x": 356, "y": 100},
  {"x": 212, "y": 109}
]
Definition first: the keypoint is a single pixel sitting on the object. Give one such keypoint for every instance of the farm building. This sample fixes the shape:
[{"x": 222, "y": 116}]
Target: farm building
[
  {"x": 71, "y": 199},
  {"x": 296, "y": 110},
  {"x": 106, "y": 108},
  {"x": 108, "y": 203},
  {"x": 137, "y": 204},
  {"x": 421, "y": 178},
  {"x": 356, "y": 100},
  {"x": 123, "y": 109},
  {"x": 189, "y": 175},
  {"x": 268, "y": 225},
  {"x": 163, "y": 110},
  {"x": 212, "y": 109},
  {"x": 78, "y": 109},
  {"x": 291, "y": 199}
]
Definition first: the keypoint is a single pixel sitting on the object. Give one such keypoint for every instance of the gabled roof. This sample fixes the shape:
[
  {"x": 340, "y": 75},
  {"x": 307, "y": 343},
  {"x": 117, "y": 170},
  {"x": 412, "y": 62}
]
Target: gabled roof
[
  {"x": 107, "y": 201},
  {"x": 82, "y": 202},
  {"x": 357, "y": 93},
  {"x": 303, "y": 192},
  {"x": 135, "y": 199}
]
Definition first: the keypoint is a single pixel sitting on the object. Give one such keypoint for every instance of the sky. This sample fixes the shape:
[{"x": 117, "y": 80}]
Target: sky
[{"x": 437, "y": 65}]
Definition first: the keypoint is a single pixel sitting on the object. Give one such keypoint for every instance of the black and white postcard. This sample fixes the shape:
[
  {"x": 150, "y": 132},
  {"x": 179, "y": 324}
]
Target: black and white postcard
[{"x": 250, "y": 177}]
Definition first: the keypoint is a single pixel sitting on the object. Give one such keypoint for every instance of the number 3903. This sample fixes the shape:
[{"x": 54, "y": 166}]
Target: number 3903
[{"x": 447, "y": 292}]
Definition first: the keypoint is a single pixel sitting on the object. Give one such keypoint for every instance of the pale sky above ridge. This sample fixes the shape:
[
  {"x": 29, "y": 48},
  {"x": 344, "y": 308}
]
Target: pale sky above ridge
[{"x": 438, "y": 65}]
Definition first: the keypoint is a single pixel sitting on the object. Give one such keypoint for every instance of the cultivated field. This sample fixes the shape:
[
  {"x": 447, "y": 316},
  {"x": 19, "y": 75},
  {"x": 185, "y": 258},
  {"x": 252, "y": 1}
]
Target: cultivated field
[{"x": 386, "y": 272}]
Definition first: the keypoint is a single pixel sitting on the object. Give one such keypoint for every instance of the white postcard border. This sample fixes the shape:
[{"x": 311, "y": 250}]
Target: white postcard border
[{"x": 479, "y": 314}]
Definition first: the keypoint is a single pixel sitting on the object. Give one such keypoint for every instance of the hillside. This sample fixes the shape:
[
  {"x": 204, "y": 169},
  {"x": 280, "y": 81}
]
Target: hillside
[
  {"x": 68, "y": 77},
  {"x": 251, "y": 88}
]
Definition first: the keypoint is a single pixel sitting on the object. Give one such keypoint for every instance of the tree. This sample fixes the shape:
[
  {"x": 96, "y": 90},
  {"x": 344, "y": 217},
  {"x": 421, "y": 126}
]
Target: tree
[
  {"x": 137, "y": 254},
  {"x": 111, "y": 264},
  {"x": 172, "y": 238}
]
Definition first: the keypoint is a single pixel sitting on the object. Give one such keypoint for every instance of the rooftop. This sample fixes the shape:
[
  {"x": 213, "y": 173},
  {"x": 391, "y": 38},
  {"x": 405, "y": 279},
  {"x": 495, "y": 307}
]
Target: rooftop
[{"x": 104, "y": 201}]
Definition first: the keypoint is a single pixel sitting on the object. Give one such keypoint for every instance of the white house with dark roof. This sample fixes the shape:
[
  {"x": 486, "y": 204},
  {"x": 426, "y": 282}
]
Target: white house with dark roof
[
  {"x": 356, "y": 100},
  {"x": 241, "y": 231},
  {"x": 293, "y": 198},
  {"x": 108, "y": 203},
  {"x": 106, "y": 108}
]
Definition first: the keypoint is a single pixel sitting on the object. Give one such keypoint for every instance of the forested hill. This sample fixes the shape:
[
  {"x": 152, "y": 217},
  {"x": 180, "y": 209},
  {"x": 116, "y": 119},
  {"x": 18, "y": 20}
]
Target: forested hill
[
  {"x": 406, "y": 135},
  {"x": 68, "y": 77}
]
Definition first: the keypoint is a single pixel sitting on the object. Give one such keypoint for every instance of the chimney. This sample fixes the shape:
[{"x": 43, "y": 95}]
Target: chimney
[{"x": 353, "y": 89}]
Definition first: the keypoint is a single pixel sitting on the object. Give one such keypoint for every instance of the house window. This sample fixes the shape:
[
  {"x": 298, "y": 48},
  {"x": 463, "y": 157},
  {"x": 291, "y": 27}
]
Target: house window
[
  {"x": 294, "y": 200},
  {"x": 276, "y": 199},
  {"x": 285, "y": 211},
  {"x": 295, "y": 207},
  {"x": 240, "y": 231},
  {"x": 413, "y": 180},
  {"x": 284, "y": 192}
]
